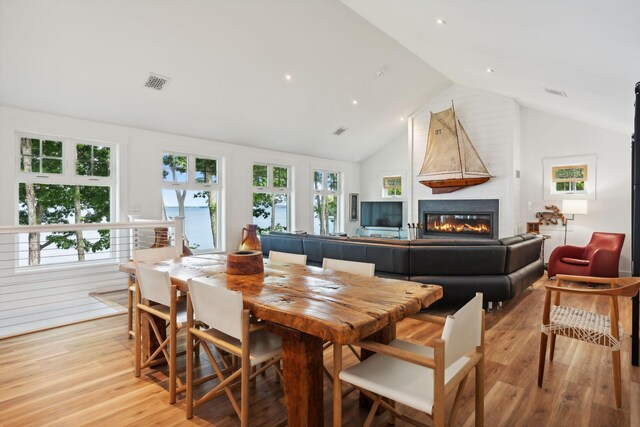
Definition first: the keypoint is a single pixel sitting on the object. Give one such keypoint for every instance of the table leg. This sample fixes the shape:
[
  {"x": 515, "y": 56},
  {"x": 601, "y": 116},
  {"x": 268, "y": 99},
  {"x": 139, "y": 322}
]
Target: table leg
[
  {"x": 302, "y": 369},
  {"x": 635, "y": 344},
  {"x": 384, "y": 336}
]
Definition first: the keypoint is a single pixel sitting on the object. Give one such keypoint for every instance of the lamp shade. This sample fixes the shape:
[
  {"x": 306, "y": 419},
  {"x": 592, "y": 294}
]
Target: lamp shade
[{"x": 574, "y": 207}]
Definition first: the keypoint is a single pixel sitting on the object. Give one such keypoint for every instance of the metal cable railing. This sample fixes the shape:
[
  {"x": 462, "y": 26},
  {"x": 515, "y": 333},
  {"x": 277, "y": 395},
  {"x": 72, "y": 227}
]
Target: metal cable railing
[{"x": 57, "y": 274}]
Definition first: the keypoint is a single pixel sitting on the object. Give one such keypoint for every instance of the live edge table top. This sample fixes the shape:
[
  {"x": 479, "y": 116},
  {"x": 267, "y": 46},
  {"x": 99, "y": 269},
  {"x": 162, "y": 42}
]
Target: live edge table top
[{"x": 331, "y": 305}]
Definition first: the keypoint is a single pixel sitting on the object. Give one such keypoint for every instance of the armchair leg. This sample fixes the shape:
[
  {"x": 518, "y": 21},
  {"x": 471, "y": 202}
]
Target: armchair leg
[
  {"x": 552, "y": 346},
  {"x": 615, "y": 355},
  {"x": 543, "y": 354}
]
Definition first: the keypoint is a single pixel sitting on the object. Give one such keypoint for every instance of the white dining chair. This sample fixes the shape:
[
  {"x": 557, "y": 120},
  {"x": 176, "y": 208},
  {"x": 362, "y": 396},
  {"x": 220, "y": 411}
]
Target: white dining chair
[
  {"x": 420, "y": 376},
  {"x": 155, "y": 287},
  {"x": 276, "y": 256},
  {"x": 231, "y": 331},
  {"x": 361, "y": 268},
  {"x": 145, "y": 255}
]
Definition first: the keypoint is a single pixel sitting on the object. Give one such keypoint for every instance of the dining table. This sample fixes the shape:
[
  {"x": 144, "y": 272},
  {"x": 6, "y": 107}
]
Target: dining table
[{"x": 306, "y": 306}]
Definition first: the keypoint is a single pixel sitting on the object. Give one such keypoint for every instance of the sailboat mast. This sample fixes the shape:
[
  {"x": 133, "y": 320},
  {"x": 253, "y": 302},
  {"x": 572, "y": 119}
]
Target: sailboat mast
[{"x": 460, "y": 156}]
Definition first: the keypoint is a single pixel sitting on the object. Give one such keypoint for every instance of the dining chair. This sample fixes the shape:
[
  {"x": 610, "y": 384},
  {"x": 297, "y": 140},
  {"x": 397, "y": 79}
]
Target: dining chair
[
  {"x": 145, "y": 255},
  {"x": 585, "y": 325},
  {"x": 155, "y": 287},
  {"x": 354, "y": 267},
  {"x": 230, "y": 331},
  {"x": 276, "y": 256},
  {"x": 421, "y": 376}
]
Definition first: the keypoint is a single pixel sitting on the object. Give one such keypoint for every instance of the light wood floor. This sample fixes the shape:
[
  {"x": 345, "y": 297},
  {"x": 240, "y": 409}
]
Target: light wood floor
[{"x": 83, "y": 375}]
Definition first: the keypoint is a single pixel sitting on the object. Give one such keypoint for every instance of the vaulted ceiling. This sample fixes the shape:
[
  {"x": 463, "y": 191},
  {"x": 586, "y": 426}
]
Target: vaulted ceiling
[
  {"x": 227, "y": 62},
  {"x": 588, "y": 49}
]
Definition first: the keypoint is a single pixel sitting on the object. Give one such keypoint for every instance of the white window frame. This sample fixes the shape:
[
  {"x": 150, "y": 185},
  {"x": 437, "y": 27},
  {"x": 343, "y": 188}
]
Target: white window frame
[
  {"x": 549, "y": 188},
  {"x": 271, "y": 189},
  {"x": 385, "y": 195},
  {"x": 192, "y": 185},
  {"x": 68, "y": 177},
  {"x": 326, "y": 192}
]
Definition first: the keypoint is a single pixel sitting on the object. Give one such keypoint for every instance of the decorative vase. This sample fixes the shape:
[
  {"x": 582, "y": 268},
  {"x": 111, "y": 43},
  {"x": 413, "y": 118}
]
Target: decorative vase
[
  {"x": 250, "y": 240},
  {"x": 245, "y": 262}
]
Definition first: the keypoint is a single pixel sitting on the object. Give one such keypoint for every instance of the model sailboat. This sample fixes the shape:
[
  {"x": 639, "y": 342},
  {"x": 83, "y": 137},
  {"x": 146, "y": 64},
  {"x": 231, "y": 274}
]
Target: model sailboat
[{"x": 451, "y": 162}]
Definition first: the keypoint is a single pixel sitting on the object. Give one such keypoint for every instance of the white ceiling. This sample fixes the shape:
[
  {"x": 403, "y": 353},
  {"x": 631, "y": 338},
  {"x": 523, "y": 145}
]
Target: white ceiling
[
  {"x": 227, "y": 61},
  {"x": 589, "y": 49}
]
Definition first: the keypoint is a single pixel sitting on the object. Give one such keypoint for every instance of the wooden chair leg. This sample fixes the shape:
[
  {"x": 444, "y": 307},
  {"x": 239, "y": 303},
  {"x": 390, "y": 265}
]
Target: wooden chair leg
[
  {"x": 130, "y": 298},
  {"x": 552, "y": 346},
  {"x": 615, "y": 355},
  {"x": 543, "y": 355},
  {"x": 337, "y": 386},
  {"x": 138, "y": 343},
  {"x": 456, "y": 401},
  {"x": 190, "y": 340},
  {"x": 172, "y": 362},
  {"x": 480, "y": 393}
]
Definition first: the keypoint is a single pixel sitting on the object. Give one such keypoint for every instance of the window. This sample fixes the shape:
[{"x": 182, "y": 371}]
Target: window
[
  {"x": 93, "y": 160},
  {"x": 271, "y": 195},
  {"x": 392, "y": 186},
  {"x": 569, "y": 179},
  {"x": 63, "y": 181},
  {"x": 40, "y": 155},
  {"x": 192, "y": 190},
  {"x": 326, "y": 185}
]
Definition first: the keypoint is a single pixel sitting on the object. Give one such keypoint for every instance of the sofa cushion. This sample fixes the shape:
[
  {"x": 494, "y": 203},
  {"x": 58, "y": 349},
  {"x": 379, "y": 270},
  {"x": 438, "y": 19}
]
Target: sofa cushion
[
  {"x": 282, "y": 243},
  {"x": 511, "y": 240},
  {"x": 457, "y": 260},
  {"x": 389, "y": 258},
  {"x": 525, "y": 277},
  {"x": 575, "y": 261},
  {"x": 521, "y": 254},
  {"x": 529, "y": 236}
]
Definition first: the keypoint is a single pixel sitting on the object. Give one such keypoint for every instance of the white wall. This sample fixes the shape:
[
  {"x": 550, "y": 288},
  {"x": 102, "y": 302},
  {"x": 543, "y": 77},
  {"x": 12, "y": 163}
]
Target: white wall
[
  {"x": 391, "y": 160},
  {"x": 546, "y": 135},
  {"x": 492, "y": 123},
  {"x": 141, "y": 169}
]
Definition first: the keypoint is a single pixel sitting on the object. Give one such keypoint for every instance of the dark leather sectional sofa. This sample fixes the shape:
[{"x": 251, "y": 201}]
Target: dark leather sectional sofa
[{"x": 500, "y": 269}]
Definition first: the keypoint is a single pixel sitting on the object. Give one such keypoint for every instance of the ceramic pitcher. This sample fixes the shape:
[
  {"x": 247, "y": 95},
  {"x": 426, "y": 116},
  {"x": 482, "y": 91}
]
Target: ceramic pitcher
[{"x": 250, "y": 241}]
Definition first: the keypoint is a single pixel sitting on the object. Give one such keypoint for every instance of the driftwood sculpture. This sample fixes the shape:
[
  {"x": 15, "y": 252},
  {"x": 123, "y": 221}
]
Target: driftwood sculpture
[{"x": 551, "y": 216}]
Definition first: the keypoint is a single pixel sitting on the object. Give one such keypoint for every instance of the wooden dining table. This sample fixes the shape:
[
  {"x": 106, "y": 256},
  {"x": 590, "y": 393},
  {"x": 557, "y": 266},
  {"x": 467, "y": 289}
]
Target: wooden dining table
[{"x": 306, "y": 306}]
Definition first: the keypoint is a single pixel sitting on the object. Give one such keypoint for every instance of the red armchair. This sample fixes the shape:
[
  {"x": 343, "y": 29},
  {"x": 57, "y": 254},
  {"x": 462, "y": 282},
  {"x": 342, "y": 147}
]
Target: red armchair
[{"x": 599, "y": 258}]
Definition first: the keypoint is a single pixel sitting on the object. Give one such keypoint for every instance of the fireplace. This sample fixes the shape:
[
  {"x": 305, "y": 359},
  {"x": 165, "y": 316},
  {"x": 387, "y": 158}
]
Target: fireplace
[
  {"x": 459, "y": 218},
  {"x": 456, "y": 224}
]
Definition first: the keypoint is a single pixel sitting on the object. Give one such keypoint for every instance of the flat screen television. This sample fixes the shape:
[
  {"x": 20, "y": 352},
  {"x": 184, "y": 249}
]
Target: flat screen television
[{"x": 381, "y": 214}]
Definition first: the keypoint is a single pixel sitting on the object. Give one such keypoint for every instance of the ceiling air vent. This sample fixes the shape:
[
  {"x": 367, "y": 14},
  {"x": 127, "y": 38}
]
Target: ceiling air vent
[
  {"x": 555, "y": 92},
  {"x": 340, "y": 131},
  {"x": 156, "y": 81}
]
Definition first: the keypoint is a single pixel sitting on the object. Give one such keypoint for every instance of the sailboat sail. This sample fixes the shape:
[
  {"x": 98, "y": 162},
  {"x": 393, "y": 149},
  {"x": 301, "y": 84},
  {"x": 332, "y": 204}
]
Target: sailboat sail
[{"x": 451, "y": 161}]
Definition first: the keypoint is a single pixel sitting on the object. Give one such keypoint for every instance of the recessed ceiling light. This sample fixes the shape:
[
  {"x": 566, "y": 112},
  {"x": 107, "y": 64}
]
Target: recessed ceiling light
[
  {"x": 354, "y": 102},
  {"x": 490, "y": 70},
  {"x": 402, "y": 119},
  {"x": 441, "y": 21},
  {"x": 288, "y": 77}
]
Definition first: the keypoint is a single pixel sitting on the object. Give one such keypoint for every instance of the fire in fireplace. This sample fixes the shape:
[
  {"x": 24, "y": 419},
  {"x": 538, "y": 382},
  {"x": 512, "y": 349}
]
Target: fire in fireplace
[{"x": 438, "y": 223}]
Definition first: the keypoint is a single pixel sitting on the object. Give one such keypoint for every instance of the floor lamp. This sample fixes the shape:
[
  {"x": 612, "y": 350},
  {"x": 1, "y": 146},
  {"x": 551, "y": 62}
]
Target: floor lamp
[{"x": 572, "y": 207}]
